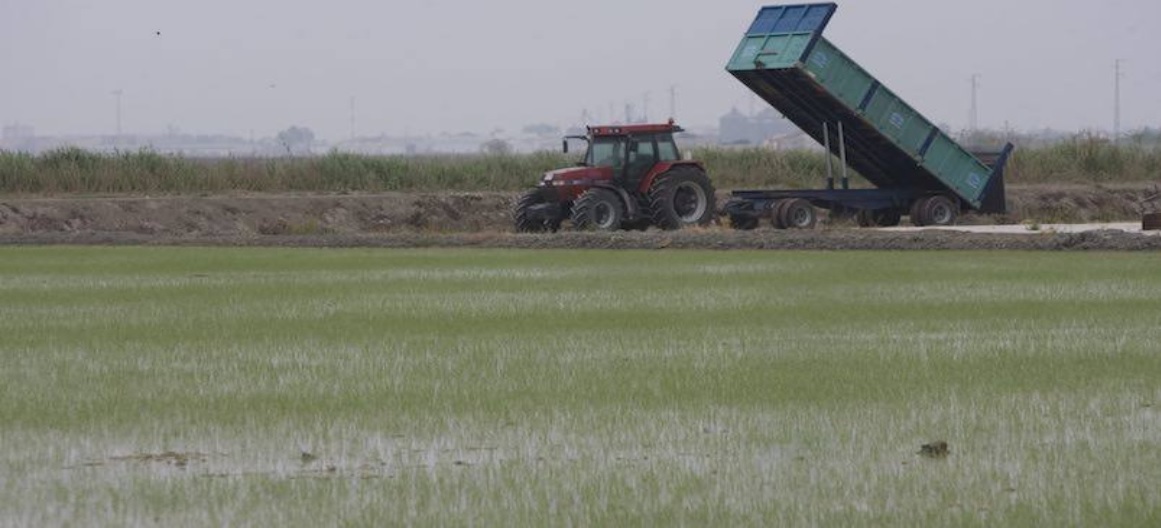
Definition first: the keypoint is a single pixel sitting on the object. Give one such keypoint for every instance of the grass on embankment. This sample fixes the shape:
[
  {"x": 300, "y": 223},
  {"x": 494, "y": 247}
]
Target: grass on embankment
[
  {"x": 306, "y": 387},
  {"x": 73, "y": 170}
]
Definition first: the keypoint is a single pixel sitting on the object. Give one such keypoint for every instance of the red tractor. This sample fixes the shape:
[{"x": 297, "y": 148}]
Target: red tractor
[{"x": 631, "y": 177}]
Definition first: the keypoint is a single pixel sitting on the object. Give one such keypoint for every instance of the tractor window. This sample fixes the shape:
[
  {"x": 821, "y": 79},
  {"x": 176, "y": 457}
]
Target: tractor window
[
  {"x": 606, "y": 152},
  {"x": 666, "y": 148},
  {"x": 644, "y": 152},
  {"x": 641, "y": 161}
]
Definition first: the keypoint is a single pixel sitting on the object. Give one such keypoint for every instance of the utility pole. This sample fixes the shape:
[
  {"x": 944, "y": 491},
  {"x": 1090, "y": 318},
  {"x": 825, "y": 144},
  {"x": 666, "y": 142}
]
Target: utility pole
[
  {"x": 645, "y": 107},
  {"x": 673, "y": 101},
  {"x": 117, "y": 93},
  {"x": 1117, "y": 74},
  {"x": 352, "y": 118},
  {"x": 974, "y": 115}
]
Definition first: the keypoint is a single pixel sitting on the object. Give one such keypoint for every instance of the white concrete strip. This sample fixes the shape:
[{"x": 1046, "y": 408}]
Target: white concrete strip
[{"x": 1022, "y": 229}]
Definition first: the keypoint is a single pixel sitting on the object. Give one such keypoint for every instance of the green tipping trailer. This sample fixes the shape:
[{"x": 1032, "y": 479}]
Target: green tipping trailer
[{"x": 916, "y": 168}]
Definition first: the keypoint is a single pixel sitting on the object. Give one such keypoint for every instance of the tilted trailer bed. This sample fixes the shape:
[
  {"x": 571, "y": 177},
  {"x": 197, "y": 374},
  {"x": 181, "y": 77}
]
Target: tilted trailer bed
[{"x": 916, "y": 169}]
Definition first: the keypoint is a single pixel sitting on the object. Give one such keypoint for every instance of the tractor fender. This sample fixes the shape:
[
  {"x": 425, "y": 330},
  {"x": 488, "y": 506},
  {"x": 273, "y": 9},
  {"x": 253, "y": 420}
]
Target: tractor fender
[
  {"x": 663, "y": 167},
  {"x": 632, "y": 210}
]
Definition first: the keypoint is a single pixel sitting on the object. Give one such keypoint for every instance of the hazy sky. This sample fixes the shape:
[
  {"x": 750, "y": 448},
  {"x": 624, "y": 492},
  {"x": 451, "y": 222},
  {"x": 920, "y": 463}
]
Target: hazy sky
[{"x": 258, "y": 66}]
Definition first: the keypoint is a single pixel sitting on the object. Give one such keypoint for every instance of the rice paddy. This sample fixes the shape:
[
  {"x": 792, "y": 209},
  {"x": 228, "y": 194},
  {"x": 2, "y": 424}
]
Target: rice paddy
[{"x": 305, "y": 387}]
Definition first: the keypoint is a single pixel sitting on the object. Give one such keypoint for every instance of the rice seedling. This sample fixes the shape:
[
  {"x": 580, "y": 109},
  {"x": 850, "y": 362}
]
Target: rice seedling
[{"x": 297, "y": 387}]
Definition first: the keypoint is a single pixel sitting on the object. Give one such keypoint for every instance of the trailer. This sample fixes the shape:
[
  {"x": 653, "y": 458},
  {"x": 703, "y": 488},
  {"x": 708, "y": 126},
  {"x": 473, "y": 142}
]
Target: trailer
[{"x": 914, "y": 167}]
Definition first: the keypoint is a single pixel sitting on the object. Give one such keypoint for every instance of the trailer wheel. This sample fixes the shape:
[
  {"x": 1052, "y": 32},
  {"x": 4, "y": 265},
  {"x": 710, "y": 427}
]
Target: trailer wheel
[
  {"x": 525, "y": 224},
  {"x": 797, "y": 213},
  {"x": 599, "y": 209},
  {"x": 916, "y": 212},
  {"x": 741, "y": 214},
  {"x": 865, "y": 218},
  {"x": 1151, "y": 222},
  {"x": 682, "y": 196},
  {"x": 939, "y": 211},
  {"x": 888, "y": 217},
  {"x": 778, "y": 214},
  {"x": 743, "y": 223},
  {"x": 841, "y": 213}
]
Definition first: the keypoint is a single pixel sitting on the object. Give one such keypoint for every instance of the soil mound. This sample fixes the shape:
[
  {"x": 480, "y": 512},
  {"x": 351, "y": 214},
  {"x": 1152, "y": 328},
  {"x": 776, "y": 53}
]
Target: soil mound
[{"x": 484, "y": 220}]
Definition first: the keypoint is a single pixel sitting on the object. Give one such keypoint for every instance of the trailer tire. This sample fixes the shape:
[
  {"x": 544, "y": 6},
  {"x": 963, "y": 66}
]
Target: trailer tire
[
  {"x": 777, "y": 213},
  {"x": 939, "y": 211},
  {"x": 598, "y": 209},
  {"x": 841, "y": 213},
  {"x": 1151, "y": 222},
  {"x": 889, "y": 217},
  {"x": 916, "y": 212},
  {"x": 797, "y": 213},
  {"x": 523, "y": 222},
  {"x": 743, "y": 223},
  {"x": 682, "y": 196},
  {"x": 741, "y": 214}
]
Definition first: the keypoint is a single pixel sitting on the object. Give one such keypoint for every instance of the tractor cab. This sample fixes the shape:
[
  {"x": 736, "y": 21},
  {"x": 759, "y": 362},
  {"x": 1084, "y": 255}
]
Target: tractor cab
[{"x": 631, "y": 151}]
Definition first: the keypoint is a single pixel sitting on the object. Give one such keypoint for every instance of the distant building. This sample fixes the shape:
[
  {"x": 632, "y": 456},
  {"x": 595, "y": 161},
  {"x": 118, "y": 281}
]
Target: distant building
[{"x": 736, "y": 128}]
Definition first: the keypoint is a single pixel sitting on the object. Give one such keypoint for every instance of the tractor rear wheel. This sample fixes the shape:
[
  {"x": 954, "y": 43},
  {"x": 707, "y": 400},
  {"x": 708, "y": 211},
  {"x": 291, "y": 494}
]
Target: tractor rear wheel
[
  {"x": 524, "y": 222},
  {"x": 682, "y": 196},
  {"x": 598, "y": 209}
]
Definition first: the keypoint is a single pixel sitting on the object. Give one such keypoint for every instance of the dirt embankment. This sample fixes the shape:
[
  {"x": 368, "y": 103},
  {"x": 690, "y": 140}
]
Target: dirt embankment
[
  {"x": 483, "y": 219},
  {"x": 260, "y": 214}
]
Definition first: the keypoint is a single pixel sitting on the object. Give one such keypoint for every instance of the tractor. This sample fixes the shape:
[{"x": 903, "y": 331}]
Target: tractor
[{"x": 631, "y": 177}]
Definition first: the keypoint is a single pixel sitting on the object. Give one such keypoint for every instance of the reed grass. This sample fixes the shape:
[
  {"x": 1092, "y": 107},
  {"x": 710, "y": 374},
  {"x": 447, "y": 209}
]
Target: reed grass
[
  {"x": 76, "y": 171},
  {"x": 1086, "y": 160}
]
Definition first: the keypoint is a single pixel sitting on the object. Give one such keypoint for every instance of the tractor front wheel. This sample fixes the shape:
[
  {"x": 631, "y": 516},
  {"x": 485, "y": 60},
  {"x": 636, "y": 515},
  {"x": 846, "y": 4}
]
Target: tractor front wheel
[
  {"x": 524, "y": 221},
  {"x": 598, "y": 209},
  {"x": 682, "y": 196}
]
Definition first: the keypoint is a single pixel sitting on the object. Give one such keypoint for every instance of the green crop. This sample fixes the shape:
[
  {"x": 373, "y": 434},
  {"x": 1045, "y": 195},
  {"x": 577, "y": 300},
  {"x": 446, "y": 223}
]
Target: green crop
[{"x": 305, "y": 387}]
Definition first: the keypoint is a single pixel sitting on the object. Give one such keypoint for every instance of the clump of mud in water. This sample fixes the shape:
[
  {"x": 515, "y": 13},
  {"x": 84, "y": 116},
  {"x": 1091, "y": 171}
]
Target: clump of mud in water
[{"x": 937, "y": 449}]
